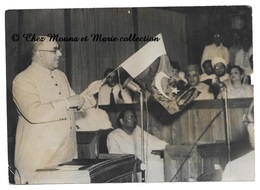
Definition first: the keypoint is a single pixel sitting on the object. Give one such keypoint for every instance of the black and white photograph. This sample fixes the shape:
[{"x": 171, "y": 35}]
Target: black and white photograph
[{"x": 153, "y": 94}]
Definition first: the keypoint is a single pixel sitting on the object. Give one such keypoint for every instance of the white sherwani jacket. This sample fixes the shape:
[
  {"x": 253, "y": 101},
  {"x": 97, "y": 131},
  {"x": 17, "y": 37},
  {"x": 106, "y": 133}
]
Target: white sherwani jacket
[{"x": 45, "y": 133}]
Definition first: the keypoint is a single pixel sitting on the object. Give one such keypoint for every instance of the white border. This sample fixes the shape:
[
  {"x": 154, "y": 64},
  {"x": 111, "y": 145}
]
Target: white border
[{"x": 36, "y": 4}]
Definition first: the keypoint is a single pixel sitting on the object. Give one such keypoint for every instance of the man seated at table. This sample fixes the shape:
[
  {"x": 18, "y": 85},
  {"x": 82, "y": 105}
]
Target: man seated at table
[
  {"x": 127, "y": 140},
  {"x": 208, "y": 72},
  {"x": 192, "y": 75},
  {"x": 243, "y": 168},
  {"x": 220, "y": 69}
]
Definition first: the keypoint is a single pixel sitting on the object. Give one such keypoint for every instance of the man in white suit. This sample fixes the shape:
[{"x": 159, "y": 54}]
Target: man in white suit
[{"x": 46, "y": 130}]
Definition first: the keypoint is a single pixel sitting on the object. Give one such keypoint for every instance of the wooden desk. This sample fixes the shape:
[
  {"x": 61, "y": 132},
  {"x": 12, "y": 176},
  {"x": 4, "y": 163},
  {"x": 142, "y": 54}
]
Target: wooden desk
[
  {"x": 201, "y": 160},
  {"x": 175, "y": 170},
  {"x": 109, "y": 168},
  {"x": 188, "y": 125},
  {"x": 92, "y": 143}
]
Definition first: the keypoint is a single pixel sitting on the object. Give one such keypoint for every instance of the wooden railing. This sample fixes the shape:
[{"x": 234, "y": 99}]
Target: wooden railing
[{"x": 186, "y": 126}]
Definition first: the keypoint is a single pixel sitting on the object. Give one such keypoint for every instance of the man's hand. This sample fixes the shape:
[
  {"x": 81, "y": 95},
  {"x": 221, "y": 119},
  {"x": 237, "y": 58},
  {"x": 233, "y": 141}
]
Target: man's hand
[
  {"x": 76, "y": 101},
  {"x": 94, "y": 87}
]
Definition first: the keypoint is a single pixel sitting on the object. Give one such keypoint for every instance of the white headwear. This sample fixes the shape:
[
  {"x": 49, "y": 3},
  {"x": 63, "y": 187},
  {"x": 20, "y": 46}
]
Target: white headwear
[{"x": 216, "y": 60}]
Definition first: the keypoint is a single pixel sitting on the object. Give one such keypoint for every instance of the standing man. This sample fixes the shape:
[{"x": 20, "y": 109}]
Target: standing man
[
  {"x": 216, "y": 49},
  {"x": 46, "y": 131},
  {"x": 243, "y": 56}
]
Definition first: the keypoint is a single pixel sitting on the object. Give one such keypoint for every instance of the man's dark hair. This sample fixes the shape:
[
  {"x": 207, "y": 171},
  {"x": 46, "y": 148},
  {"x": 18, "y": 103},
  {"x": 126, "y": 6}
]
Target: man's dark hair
[
  {"x": 208, "y": 61},
  {"x": 175, "y": 65},
  {"x": 108, "y": 70},
  {"x": 121, "y": 116}
]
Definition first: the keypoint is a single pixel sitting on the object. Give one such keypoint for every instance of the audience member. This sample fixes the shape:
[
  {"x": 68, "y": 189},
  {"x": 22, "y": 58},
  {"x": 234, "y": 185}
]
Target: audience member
[
  {"x": 243, "y": 56},
  {"x": 112, "y": 92},
  {"x": 221, "y": 75},
  {"x": 216, "y": 49},
  {"x": 248, "y": 78},
  {"x": 126, "y": 139},
  {"x": 235, "y": 87},
  {"x": 243, "y": 168},
  {"x": 220, "y": 68},
  {"x": 236, "y": 47},
  {"x": 208, "y": 71},
  {"x": 193, "y": 78},
  {"x": 176, "y": 70}
]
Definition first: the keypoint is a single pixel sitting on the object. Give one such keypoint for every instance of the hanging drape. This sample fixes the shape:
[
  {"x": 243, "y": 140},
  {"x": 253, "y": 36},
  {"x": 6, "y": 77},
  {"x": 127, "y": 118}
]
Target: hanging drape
[
  {"x": 172, "y": 25},
  {"x": 39, "y": 22},
  {"x": 90, "y": 59}
]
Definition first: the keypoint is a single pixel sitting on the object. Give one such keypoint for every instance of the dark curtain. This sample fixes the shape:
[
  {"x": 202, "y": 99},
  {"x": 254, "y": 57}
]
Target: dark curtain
[
  {"x": 152, "y": 21},
  {"x": 90, "y": 59}
]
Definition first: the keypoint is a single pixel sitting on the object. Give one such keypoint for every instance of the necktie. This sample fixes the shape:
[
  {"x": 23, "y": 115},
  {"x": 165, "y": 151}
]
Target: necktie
[{"x": 112, "y": 98}]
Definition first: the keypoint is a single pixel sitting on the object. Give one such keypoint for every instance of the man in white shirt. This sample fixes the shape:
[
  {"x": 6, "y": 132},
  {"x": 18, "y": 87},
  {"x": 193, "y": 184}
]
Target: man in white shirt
[
  {"x": 193, "y": 77},
  {"x": 243, "y": 168},
  {"x": 112, "y": 91},
  {"x": 242, "y": 58},
  {"x": 208, "y": 71},
  {"x": 216, "y": 49},
  {"x": 127, "y": 140},
  {"x": 220, "y": 69}
]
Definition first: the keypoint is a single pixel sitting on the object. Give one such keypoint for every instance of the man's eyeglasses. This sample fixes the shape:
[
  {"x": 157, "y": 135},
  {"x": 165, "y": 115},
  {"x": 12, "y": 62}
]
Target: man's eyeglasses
[
  {"x": 55, "y": 49},
  {"x": 131, "y": 117},
  {"x": 219, "y": 67}
]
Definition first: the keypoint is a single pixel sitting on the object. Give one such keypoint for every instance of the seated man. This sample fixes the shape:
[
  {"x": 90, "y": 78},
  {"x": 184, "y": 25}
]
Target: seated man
[
  {"x": 193, "y": 78},
  {"x": 176, "y": 70},
  {"x": 220, "y": 69},
  {"x": 243, "y": 168},
  {"x": 208, "y": 72},
  {"x": 127, "y": 140},
  {"x": 112, "y": 92}
]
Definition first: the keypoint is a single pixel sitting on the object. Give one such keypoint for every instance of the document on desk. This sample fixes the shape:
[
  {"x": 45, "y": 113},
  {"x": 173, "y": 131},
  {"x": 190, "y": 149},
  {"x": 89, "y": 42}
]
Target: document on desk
[
  {"x": 64, "y": 168},
  {"x": 71, "y": 167}
]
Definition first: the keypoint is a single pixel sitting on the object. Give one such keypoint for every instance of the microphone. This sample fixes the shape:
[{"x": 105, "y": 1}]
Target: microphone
[
  {"x": 130, "y": 84},
  {"x": 221, "y": 84}
]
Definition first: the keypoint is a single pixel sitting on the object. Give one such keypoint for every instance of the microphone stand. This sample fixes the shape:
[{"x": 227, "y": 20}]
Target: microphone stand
[
  {"x": 130, "y": 84},
  {"x": 143, "y": 164},
  {"x": 227, "y": 128}
]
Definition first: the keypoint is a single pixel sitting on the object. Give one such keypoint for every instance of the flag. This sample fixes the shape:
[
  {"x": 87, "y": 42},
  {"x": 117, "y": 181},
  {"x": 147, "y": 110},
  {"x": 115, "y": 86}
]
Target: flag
[
  {"x": 171, "y": 91},
  {"x": 144, "y": 57},
  {"x": 153, "y": 73}
]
